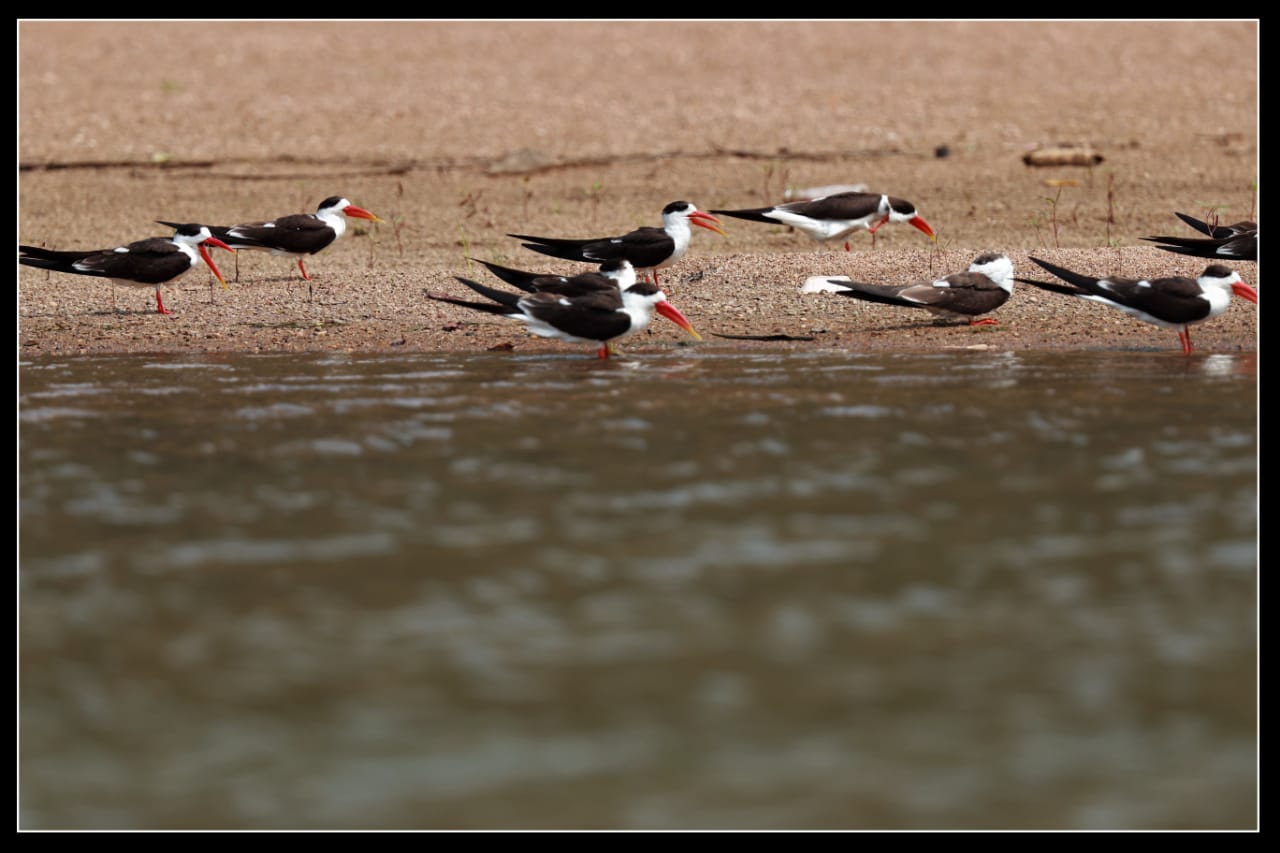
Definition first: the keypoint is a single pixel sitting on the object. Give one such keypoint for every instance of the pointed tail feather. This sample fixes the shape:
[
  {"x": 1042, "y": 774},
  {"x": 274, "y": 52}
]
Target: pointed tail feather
[
  {"x": 556, "y": 242},
  {"x": 1201, "y": 226},
  {"x": 874, "y": 293},
  {"x": 30, "y": 254},
  {"x": 46, "y": 264},
  {"x": 513, "y": 277},
  {"x": 487, "y": 307},
  {"x": 564, "y": 249},
  {"x": 754, "y": 214},
  {"x": 1081, "y": 281},
  {"x": 1209, "y": 247},
  {"x": 502, "y": 297},
  {"x": 1184, "y": 242},
  {"x": 1065, "y": 289}
]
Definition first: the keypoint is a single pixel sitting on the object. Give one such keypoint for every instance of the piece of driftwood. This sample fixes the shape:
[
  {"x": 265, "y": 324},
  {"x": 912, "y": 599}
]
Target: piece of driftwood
[{"x": 1062, "y": 157}]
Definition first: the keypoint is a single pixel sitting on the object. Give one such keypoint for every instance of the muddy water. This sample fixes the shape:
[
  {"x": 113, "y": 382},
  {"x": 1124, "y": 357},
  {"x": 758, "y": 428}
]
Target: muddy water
[{"x": 767, "y": 590}]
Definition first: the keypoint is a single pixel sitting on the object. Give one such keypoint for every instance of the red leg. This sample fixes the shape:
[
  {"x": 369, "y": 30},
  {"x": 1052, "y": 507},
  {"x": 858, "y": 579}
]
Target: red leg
[
  {"x": 1185, "y": 337},
  {"x": 311, "y": 296},
  {"x": 603, "y": 352},
  {"x": 985, "y": 321},
  {"x": 160, "y": 309}
]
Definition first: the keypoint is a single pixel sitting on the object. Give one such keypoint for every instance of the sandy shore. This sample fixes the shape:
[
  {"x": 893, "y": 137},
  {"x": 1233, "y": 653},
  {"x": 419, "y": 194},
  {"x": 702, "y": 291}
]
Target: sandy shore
[{"x": 458, "y": 134}]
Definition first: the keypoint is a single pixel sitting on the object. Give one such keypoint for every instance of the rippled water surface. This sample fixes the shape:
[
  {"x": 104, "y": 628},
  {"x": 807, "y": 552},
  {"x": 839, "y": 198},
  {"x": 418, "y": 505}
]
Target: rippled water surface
[{"x": 771, "y": 590}]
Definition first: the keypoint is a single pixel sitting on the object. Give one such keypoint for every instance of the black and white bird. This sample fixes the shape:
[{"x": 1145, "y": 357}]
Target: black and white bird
[
  {"x": 296, "y": 235},
  {"x": 1238, "y": 242},
  {"x": 1175, "y": 302},
  {"x": 599, "y": 314},
  {"x": 648, "y": 249},
  {"x": 612, "y": 275},
  {"x": 984, "y": 287},
  {"x": 836, "y": 217},
  {"x": 146, "y": 263}
]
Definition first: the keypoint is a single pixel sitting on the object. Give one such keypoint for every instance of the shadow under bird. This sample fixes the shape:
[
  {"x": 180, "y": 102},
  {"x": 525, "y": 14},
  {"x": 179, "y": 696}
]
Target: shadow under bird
[
  {"x": 984, "y": 287},
  {"x": 648, "y": 249},
  {"x": 1238, "y": 242},
  {"x": 836, "y": 217},
  {"x": 595, "y": 309},
  {"x": 296, "y": 235},
  {"x": 1175, "y": 302},
  {"x": 144, "y": 263}
]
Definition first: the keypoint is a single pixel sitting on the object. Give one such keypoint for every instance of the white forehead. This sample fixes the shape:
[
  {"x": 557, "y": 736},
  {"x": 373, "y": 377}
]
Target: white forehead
[{"x": 996, "y": 268}]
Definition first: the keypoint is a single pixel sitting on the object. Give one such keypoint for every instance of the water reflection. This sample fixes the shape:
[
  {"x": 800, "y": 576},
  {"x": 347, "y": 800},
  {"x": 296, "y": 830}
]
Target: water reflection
[{"x": 763, "y": 590}]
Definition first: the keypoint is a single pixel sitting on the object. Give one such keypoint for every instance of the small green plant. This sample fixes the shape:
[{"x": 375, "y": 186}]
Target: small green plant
[
  {"x": 774, "y": 167},
  {"x": 466, "y": 245},
  {"x": 935, "y": 257},
  {"x": 1035, "y": 223},
  {"x": 1212, "y": 212},
  {"x": 1111, "y": 204},
  {"x": 1053, "y": 216},
  {"x": 528, "y": 197},
  {"x": 397, "y": 222},
  {"x": 593, "y": 194}
]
